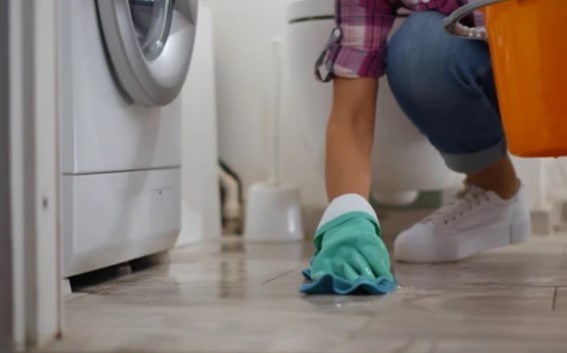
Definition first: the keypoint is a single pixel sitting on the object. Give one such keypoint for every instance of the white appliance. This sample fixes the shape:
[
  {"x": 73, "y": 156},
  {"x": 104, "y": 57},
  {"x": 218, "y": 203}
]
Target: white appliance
[
  {"x": 404, "y": 162},
  {"x": 122, "y": 65}
]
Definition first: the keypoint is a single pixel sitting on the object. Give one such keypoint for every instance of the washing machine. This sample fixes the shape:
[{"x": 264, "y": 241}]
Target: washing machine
[{"x": 122, "y": 65}]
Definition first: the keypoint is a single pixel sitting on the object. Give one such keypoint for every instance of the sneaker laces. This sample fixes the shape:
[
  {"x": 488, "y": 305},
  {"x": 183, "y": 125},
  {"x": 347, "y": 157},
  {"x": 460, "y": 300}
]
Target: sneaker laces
[{"x": 465, "y": 200}]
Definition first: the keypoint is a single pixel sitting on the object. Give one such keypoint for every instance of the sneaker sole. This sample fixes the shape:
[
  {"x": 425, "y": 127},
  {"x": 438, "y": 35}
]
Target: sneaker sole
[{"x": 518, "y": 232}]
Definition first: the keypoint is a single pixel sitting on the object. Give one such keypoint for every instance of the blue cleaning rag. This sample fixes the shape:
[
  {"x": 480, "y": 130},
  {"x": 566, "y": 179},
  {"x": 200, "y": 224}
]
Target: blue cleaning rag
[{"x": 330, "y": 284}]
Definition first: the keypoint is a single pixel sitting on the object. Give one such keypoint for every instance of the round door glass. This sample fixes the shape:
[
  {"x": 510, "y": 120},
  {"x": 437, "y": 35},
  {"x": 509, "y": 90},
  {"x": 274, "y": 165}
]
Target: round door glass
[{"x": 152, "y": 21}]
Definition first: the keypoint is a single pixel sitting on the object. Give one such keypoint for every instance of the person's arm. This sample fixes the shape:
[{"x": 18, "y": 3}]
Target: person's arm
[
  {"x": 347, "y": 242},
  {"x": 356, "y": 60},
  {"x": 350, "y": 135}
]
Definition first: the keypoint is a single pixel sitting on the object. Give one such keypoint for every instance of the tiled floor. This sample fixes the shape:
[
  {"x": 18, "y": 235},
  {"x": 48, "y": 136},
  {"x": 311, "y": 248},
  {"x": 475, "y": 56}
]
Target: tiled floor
[{"x": 243, "y": 297}]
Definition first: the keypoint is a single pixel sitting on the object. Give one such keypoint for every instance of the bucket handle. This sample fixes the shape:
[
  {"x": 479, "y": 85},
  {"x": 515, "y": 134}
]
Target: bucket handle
[{"x": 453, "y": 26}]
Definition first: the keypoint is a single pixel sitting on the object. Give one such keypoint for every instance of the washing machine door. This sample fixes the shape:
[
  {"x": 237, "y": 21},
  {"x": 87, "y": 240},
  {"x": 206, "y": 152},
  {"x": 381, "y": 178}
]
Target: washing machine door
[{"x": 149, "y": 45}]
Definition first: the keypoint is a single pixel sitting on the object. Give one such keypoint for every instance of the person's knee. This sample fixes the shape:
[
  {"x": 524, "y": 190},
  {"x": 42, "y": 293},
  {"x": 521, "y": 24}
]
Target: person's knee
[
  {"x": 427, "y": 66},
  {"x": 442, "y": 84},
  {"x": 418, "y": 53}
]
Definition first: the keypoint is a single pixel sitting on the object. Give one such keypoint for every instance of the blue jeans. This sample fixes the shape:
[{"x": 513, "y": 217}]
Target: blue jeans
[{"x": 445, "y": 86}]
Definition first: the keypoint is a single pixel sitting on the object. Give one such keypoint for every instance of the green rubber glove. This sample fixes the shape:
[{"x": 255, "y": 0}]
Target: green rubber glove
[{"x": 349, "y": 247}]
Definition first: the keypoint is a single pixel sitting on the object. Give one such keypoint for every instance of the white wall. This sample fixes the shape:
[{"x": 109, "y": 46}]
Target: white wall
[
  {"x": 201, "y": 204},
  {"x": 546, "y": 181},
  {"x": 243, "y": 33},
  {"x": 244, "y": 30}
]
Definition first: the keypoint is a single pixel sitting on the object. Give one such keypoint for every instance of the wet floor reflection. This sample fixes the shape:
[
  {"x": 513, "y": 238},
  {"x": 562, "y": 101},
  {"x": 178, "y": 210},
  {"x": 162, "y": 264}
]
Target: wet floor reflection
[{"x": 233, "y": 296}]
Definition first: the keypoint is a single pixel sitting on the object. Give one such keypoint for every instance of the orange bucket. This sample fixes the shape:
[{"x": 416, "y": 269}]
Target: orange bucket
[{"x": 528, "y": 45}]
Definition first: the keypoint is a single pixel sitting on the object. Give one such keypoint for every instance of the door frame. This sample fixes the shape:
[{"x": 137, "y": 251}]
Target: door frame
[
  {"x": 6, "y": 278},
  {"x": 33, "y": 282}
]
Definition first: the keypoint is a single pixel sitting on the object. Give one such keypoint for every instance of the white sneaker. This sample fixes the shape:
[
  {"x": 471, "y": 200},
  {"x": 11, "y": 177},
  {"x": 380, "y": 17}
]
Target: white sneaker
[{"x": 477, "y": 220}]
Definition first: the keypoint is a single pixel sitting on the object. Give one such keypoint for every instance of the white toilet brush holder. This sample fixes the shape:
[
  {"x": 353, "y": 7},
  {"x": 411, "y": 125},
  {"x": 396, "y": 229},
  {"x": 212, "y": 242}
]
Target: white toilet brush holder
[
  {"x": 273, "y": 213},
  {"x": 273, "y": 210}
]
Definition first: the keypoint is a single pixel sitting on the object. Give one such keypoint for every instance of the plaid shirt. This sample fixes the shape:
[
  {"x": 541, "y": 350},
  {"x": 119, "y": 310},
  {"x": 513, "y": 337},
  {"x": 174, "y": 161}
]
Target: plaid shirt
[{"x": 357, "y": 47}]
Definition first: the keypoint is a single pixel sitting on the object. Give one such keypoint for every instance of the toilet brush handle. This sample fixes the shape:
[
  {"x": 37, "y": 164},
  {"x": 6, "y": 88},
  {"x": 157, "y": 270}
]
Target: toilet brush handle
[
  {"x": 277, "y": 46},
  {"x": 452, "y": 22}
]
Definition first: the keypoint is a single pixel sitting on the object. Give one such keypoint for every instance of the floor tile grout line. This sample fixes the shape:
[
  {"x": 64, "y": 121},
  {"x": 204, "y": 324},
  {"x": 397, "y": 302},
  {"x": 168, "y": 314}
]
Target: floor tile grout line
[
  {"x": 554, "y": 301},
  {"x": 278, "y": 276}
]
